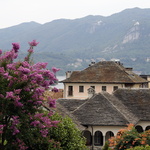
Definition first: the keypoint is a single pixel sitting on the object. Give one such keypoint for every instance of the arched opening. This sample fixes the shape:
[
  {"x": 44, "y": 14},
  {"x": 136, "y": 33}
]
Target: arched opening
[
  {"x": 139, "y": 128},
  {"x": 108, "y": 135},
  {"x": 87, "y": 135},
  {"x": 147, "y": 128},
  {"x": 98, "y": 138}
]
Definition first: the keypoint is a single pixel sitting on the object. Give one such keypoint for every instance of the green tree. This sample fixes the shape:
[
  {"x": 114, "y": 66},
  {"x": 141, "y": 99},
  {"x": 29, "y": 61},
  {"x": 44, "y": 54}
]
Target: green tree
[{"x": 66, "y": 133}]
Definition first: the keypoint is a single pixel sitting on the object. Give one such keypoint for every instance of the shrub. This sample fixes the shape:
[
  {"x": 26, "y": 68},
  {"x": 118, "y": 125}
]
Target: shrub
[
  {"x": 140, "y": 148},
  {"x": 66, "y": 133},
  {"x": 129, "y": 138}
]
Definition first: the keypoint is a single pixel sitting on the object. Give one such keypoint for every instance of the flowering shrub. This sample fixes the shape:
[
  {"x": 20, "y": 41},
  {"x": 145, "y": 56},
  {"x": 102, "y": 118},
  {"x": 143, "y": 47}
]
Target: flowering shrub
[
  {"x": 129, "y": 138},
  {"x": 140, "y": 148},
  {"x": 22, "y": 84}
]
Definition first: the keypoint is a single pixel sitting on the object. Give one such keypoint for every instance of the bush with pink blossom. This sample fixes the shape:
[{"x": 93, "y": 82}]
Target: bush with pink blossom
[{"x": 22, "y": 84}]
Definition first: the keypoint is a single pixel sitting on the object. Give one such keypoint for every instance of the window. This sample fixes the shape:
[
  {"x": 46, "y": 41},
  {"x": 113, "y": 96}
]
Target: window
[
  {"x": 88, "y": 137},
  {"x": 139, "y": 128},
  {"x": 93, "y": 87},
  {"x": 98, "y": 138},
  {"x": 115, "y": 88},
  {"x": 108, "y": 135},
  {"x": 70, "y": 90},
  {"x": 103, "y": 88},
  {"x": 81, "y": 88}
]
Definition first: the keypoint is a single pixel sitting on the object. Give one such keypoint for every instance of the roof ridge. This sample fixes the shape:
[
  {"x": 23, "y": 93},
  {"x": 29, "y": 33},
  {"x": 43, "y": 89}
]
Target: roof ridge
[
  {"x": 128, "y": 74},
  {"x": 124, "y": 69},
  {"x": 88, "y": 99},
  {"x": 121, "y": 108}
]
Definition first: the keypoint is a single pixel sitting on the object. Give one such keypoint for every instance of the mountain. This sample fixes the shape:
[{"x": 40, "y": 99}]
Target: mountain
[{"x": 73, "y": 44}]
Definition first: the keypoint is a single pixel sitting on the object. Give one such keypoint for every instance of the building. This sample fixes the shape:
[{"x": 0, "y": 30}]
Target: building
[
  {"x": 102, "y": 76},
  {"x": 104, "y": 114},
  {"x": 146, "y": 77}
]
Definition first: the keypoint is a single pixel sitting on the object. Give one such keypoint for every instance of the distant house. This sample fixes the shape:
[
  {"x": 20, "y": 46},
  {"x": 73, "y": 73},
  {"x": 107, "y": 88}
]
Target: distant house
[
  {"x": 102, "y": 76},
  {"x": 146, "y": 77},
  {"x": 104, "y": 114}
]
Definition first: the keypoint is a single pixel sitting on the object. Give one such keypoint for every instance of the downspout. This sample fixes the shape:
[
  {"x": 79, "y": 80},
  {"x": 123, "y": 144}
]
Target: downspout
[{"x": 92, "y": 139}]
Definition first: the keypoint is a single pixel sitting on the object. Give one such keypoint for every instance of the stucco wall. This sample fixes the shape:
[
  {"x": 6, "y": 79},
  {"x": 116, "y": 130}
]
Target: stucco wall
[{"x": 84, "y": 95}]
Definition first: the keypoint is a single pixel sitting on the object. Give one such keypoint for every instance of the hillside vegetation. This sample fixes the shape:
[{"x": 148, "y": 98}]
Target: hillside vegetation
[{"x": 73, "y": 44}]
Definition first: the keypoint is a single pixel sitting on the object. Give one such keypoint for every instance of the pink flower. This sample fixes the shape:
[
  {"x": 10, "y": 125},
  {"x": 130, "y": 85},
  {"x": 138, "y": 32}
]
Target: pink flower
[
  {"x": 52, "y": 102},
  {"x": 35, "y": 123},
  {"x": 55, "y": 90},
  {"x": 55, "y": 69},
  {"x": 0, "y": 51},
  {"x": 30, "y": 50},
  {"x": 17, "y": 91},
  {"x": 10, "y": 94},
  {"x": 44, "y": 132},
  {"x": 16, "y": 47},
  {"x": 33, "y": 43}
]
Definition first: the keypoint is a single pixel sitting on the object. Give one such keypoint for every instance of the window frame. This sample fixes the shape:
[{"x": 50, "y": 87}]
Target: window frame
[
  {"x": 104, "y": 88},
  {"x": 70, "y": 90},
  {"x": 81, "y": 89},
  {"x": 98, "y": 138}
]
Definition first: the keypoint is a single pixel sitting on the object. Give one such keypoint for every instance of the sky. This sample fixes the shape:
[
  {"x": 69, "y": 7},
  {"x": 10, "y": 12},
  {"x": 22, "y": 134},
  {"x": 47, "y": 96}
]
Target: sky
[{"x": 14, "y": 12}]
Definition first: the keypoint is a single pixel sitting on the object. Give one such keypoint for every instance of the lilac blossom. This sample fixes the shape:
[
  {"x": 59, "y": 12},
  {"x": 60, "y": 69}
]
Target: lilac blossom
[
  {"x": 24, "y": 85},
  {"x": 44, "y": 132},
  {"x": 51, "y": 102},
  {"x": 35, "y": 123},
  {"x": 55, "y": 69},
  {"x": 25, "y": 64},
  {"x": 15, "y": 122},
  {"x": 2, "y": 70},
  {"x": 33, "y": 43},
  {"x": 55, "y": 90},
  {"x": 1, "y": 51},
  {"x": 17, "y": 91},
  {"x": 16, "y": 47},
  {"x": 24, "y": 70},
  {"x": 30, "y": 50},
  {"x": 9, "y": 95},
  {"x": 40, "y": 65}
]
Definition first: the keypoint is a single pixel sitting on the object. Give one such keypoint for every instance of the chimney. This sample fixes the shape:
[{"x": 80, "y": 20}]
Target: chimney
[
  {"x": 128, "y": 69},
  {"x": 68, "y": 74},
  {"x": 91, "y": 92},
  {"x": 92, "y": 63}
]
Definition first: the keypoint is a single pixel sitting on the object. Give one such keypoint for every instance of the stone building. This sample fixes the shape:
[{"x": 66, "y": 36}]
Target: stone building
[
  {"x": 102, "y": 76},
  {"x": 104, "y": 114}
]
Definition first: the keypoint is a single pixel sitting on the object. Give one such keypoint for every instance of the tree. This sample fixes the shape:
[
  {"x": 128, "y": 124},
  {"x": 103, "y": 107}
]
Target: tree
[
  {"x": 129, "y": 138},
  {"x": 67, "y": 134},
  {"x": 22, "y": 84}
]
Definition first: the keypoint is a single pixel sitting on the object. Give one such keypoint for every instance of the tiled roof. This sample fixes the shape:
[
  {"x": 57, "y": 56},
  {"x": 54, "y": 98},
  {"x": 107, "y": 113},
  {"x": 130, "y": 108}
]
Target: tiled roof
[
  {"x": 122, "y": 107},
  {"x": 137, "y": 101},
  {"x": 105, "y": 72}
]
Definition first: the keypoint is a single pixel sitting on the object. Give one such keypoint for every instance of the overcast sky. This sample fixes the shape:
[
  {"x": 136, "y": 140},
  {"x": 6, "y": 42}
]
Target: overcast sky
[{"x": 13, "y": 12}]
